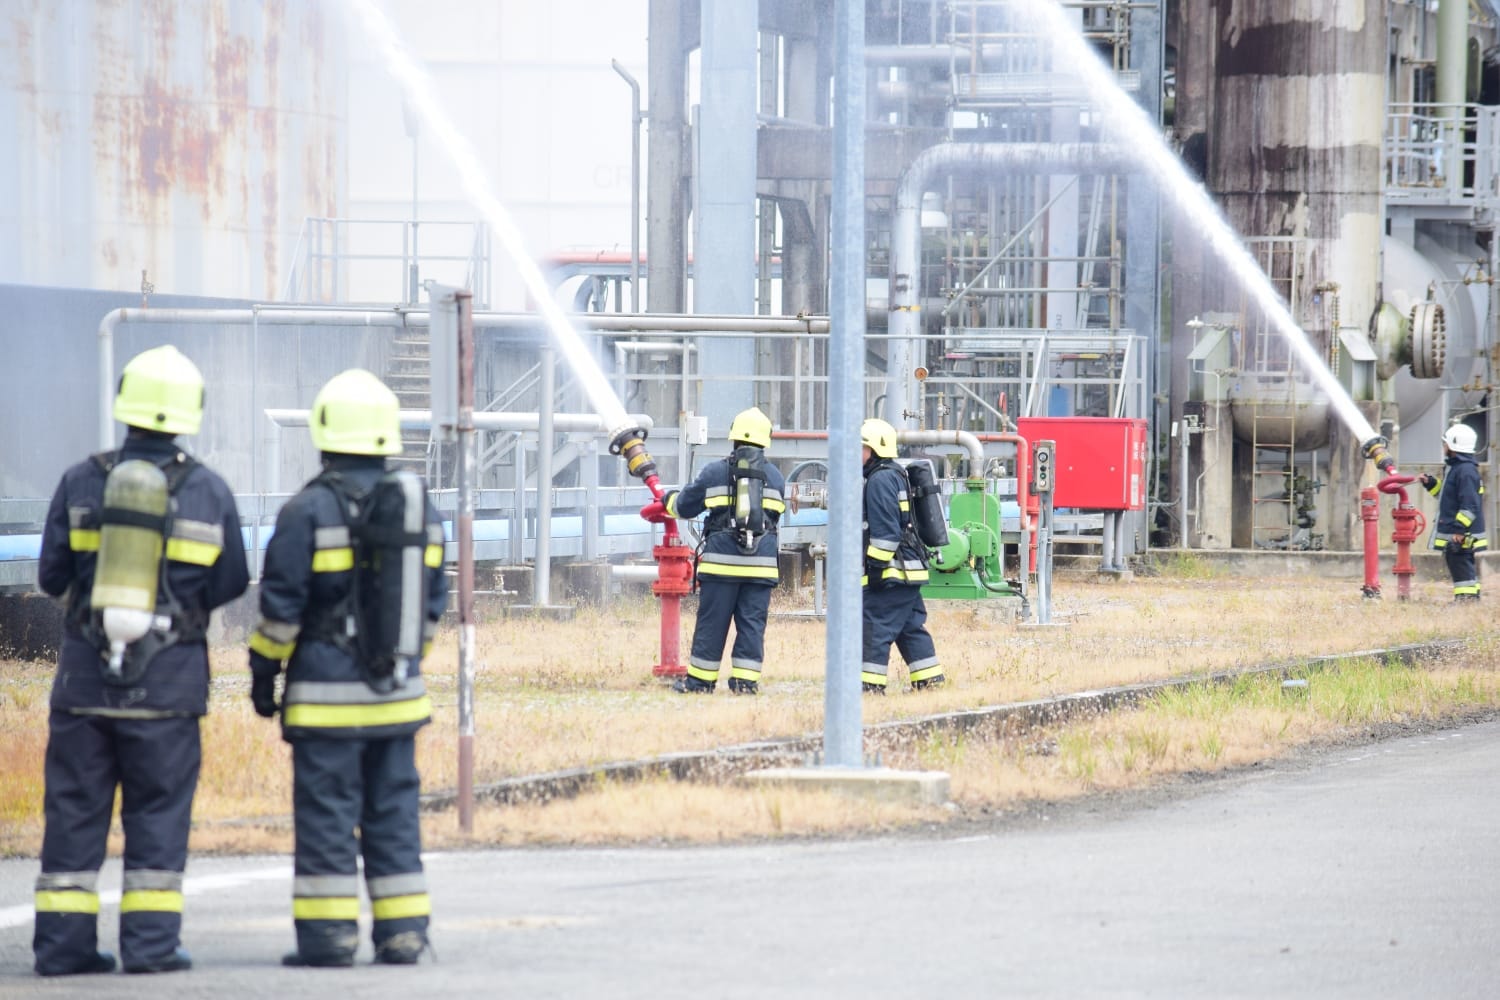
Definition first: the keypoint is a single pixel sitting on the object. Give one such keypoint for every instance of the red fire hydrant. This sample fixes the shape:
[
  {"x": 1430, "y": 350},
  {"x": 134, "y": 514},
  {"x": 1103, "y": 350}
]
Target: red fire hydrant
[
  {"x": 674, "y": 560},
  {"x": 1410, "y": 524},
  {"x": 674, "y": 580}
]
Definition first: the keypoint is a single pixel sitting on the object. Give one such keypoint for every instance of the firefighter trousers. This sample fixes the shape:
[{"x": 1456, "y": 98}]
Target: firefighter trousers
[
  {"x": 340, "y": 785},
  {"x": 1461, "y": 569},
  {"x": 745, "y": 603},
  {"x": 155, "y": 764},
  {"x": 896, "y": 613}
]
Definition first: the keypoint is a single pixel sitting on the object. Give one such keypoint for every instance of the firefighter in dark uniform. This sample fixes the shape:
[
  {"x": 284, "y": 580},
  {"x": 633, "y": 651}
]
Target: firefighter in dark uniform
[
  {"x": 1459, "y": 531},
  {"x": 352, "y": 733},
  {"x": 125, "y": 712},
  {"x": 895, "y": 569},
  {"x": 736, "y": 571}
]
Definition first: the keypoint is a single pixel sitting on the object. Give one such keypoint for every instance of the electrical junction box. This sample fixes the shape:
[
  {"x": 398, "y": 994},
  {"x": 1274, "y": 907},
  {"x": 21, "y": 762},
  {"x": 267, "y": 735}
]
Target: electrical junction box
[
  {"x": 694, "y": 428},
  {"x": 1099, "y": 463},
  {"x": 1041, "y": 466}
]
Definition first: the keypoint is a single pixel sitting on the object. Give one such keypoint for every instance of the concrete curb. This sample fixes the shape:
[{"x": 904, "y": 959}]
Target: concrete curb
[{"x": 730, "y": 762}]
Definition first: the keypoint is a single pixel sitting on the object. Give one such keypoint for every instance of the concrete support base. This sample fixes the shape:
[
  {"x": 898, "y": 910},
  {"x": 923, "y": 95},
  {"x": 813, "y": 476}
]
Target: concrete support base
[{"x": 878, "y": 783}]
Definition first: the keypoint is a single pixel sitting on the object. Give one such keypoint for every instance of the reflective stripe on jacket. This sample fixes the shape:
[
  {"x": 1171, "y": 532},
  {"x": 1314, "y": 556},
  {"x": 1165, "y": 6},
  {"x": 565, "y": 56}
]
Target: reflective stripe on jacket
[
  {"x": 891, "y": 545},
  {"x": 712, "y": 492},
  {"x": 1460, "y": 494}
]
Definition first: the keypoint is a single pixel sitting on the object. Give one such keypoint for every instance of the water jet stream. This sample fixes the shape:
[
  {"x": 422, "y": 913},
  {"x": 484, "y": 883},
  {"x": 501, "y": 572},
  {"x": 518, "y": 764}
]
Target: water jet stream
[
  {"x": 1144, "y": 137},
  {"x": 418, "y": 87}
]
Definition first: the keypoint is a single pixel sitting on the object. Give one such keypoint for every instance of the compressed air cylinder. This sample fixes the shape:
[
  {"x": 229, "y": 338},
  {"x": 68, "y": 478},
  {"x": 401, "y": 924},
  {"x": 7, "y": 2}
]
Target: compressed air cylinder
[
  {"x": 131, "y": 539},
  {"x": 927, "y": 504}
]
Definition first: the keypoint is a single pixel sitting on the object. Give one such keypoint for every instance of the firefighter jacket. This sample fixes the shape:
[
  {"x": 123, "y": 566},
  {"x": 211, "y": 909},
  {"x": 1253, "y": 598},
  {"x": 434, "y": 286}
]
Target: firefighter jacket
[
  {"x": 721, "y": 558},
  {"x": 305, "y": 600},
  {"x": 203, "y": 568},
  {"x": 1460, "y": 494},
  {"x": 893, "y": 553}
]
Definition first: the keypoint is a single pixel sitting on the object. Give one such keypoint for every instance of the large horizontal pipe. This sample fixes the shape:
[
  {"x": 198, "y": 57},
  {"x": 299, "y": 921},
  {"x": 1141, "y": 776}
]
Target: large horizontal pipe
[
  {"x": 399, "y": 317},
  {"x": 483, "y": 420},
  {"x": 963, "y": 439}
]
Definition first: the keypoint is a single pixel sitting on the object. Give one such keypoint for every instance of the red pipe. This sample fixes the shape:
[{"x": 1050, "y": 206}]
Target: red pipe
[
  {"x": 1031, "y": 507},
  {"x": 1369, "y": 513}
]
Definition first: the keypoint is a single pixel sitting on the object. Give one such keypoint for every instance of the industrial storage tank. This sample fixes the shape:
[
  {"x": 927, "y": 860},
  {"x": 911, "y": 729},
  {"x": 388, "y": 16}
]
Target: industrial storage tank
[{"x": 187, "y": 140}]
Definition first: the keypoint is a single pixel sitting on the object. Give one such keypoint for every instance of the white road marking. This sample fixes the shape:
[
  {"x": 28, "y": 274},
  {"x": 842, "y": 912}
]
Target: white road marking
[{"x": 193, "y": 885}]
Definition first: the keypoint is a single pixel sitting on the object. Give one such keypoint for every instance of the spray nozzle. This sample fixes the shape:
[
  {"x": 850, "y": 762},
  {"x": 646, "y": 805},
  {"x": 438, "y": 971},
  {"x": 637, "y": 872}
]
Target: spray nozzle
[
  {"x": 630, "y": 442},
  {"x": 1375, "y": 450}
]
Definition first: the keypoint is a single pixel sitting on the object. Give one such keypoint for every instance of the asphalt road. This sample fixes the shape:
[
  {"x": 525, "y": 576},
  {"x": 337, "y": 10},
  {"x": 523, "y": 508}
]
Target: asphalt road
[{"x": 1363, "y": 873}]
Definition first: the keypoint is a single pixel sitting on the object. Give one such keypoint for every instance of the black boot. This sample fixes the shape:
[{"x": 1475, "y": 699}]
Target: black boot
[
  {"x": 178, "y": 961},
  {"x": 868, "y": 688},
  {"x": 692, "y": 685},
  {"x": 100, "y": 961},
  {"x": 931, "y": 682},
  {"x": 738, "y": 685},
  {"x": 331, "y": 960},
  {"x": 402, "y": 949}
]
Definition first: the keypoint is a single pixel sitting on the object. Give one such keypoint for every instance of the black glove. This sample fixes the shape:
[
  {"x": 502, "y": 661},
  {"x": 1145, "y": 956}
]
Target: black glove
[
  {"x": 874, "y": 574},
  {"x": 667, "y": 498},
  {"x": 1427, "y": 481},
  {"x": 263, "y": 671}
]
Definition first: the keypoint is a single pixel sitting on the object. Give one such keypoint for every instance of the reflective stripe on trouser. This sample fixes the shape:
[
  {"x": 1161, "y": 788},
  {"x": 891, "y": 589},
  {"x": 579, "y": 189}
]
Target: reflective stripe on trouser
[
  {"x": 720, "y": 602},
  {"x": 155, "y": 763},
  {"x": 897, "y": 614},
  {"x": 339, "y": 785},
  {"x": 1461, "y": 570}
]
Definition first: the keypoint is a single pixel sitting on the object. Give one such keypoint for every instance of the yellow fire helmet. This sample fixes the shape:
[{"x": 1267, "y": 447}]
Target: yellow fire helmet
[
  {"x": 160, "y": 390},
  {"x": 355, "y": 414},
  {"x": 752, "y": 427},
  {"x": 879, "y": 437}
]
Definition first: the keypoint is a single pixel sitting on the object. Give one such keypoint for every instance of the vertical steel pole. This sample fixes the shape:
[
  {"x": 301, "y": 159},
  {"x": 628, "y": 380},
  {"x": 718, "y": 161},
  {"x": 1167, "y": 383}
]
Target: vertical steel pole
[
  {"x": 635, "y": 184},
  {"x": 541, "y": 590},
  {"x": 1486, "y": 349},
  {"x": 464, "y": 533},
  {"x": 842, "y": 743}
]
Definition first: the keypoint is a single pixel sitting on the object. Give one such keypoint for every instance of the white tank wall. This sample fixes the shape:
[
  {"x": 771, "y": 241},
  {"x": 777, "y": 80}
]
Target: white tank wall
[
  {"x": 531, "y": 87},
  {"x": 185, "y": 139}
]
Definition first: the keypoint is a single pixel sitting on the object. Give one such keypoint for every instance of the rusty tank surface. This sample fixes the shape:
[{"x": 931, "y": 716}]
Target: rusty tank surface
[{"x": 176, "y": 145}]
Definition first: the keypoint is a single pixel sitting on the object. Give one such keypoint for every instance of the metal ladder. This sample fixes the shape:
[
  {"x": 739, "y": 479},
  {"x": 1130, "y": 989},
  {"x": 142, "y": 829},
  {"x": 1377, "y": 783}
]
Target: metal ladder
[{"x": 408, "y": 373}]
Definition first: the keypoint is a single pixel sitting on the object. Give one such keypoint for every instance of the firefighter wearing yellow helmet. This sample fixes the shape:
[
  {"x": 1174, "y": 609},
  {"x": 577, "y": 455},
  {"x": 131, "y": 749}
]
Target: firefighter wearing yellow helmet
[
  {"x": 742, "y": 494},
  {"x": 1458, "y": 531},
  {"x": 350, "y": 597},
  {"x": 895, "y": 569},
  {"x": 141, "y": 543}
]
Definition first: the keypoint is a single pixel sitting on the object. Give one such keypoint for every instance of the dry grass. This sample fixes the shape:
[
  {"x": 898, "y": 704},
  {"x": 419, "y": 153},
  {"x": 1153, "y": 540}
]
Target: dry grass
[{"x": 552, "y": 695}]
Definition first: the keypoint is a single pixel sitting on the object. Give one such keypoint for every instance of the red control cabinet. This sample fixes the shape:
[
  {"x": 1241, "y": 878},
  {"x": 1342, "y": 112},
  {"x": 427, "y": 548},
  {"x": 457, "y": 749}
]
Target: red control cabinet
[{"x": 1100, "y": 462}]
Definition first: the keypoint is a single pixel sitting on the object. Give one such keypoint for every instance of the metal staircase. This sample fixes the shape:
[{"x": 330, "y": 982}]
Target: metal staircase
[{"x": 408, "y": 372}]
